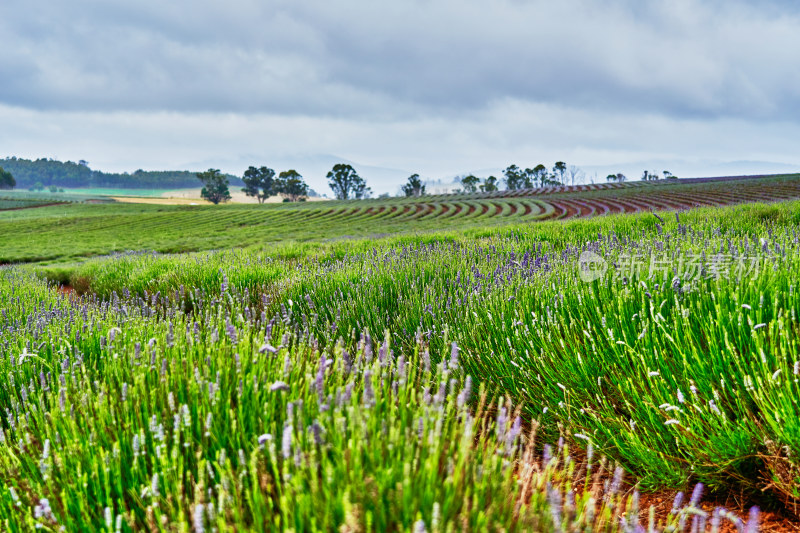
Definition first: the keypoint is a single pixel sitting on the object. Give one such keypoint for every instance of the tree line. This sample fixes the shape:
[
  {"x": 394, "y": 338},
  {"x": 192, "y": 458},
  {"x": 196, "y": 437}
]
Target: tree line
[
  {"x": 516, "y": 178},
  {"x": 7, "y": 180},
  {"x": 262, "y": 183},
  {"x": 647, "y": 175},
  {"x": 46, "y": 173}
]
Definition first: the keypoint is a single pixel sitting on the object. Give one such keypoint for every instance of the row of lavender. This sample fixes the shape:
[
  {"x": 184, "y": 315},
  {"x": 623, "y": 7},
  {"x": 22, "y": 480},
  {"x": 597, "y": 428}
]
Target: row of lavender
[
  {"x": 676, "y": 355},
  {"x": 130, "y": 413}
]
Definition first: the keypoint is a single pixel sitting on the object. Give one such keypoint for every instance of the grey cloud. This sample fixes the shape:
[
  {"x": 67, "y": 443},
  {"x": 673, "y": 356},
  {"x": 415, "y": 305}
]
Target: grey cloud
[{"x": 389, "y": 60}]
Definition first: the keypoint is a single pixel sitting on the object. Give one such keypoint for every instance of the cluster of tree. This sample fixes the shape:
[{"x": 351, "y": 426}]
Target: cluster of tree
[
  {"x": 260, "y": 183},
  {"x": 414, "y": 186},
  {"x": 647, "y": 175},
  {"x": 473, "y": 184},
  {"x": 39, "y": 187},
  {"x": 652, "y": 175},
  {"x": 539, "y": 176},
  {"x": 50, "y": 172},
  {"x": 517, "y": 178},
  {"x": 7, "y": 180}
]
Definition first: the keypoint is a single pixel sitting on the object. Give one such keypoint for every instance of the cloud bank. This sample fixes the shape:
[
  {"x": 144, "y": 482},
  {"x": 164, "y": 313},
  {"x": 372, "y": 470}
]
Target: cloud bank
[{"x": 431, "y": 85}]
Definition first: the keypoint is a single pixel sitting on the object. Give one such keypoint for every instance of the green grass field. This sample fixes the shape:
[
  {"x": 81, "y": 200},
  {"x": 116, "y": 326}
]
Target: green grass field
[
  {"x": 73, "y": 232},
  {"x": 443, "y": 364}
]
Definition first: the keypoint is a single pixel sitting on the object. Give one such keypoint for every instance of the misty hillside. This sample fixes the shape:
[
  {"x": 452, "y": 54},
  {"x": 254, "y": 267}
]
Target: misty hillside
[{"x": 79, "y": 175}]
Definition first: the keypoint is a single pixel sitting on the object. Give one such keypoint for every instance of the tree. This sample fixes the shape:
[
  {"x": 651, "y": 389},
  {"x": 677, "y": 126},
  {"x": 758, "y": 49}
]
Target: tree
[
  {"x": 559, "y": 169},
  {"x": 650, "y": 175},
  {"x": 470, "y": 183},
  {"x": 290, "y": 183},
  {"x": 574, "y": 174},
  {"x": 514, "y": 178},
  {"x": 345, "y": 181},
  {"x": 7, "y": 181},
  {"x": 669, "y": 175},
  {"x": 259, "y": 182},
  {"x": 529, "y": 178},
  {"x": 215, "y": 186},
  {"x": 539, "y": 175},
  {"x": 489, "y": 184},
  {"x": 414, "y": 186}
]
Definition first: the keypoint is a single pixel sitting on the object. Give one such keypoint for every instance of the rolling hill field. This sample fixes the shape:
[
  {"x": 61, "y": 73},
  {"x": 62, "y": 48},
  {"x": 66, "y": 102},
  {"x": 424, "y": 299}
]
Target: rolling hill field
[
  {"x": 79, "y": 230},
  {"x": 598, "y": 358}
]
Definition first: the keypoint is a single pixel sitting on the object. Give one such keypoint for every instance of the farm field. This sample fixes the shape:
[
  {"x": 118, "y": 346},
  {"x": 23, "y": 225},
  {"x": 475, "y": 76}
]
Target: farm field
[
  {"x": 456, "y": 363},
  {"x": 73, "y": 232},
  {"x": 11, "y": 203},
  {"x": 101, "y": 191}
]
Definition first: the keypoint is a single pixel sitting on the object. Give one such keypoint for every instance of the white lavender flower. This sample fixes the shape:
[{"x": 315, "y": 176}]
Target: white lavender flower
[
  {"x": 197, "y": 518},
  {"x": 279, "y": 386},
  {"x": 286, "y": 441},
  {"x": 209, "y": 422}
]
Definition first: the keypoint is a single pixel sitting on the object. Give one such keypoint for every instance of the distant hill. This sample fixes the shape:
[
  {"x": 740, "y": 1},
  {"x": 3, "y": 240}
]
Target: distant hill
[{"x": 78, "y": 175}]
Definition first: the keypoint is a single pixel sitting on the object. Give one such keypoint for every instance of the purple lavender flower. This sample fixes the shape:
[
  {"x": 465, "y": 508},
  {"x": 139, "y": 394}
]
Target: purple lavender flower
[
  {"x": 555, "y": 502},
  {"x": 466, "y": 392},
  {"x": 697, "y": 493},
  {"x": 319, "y": 382},
  {"x": 267, "y": 348},
  {"x": 368, "y": 397},
  {"x": 616, "y": 482},
  {"x": 454, "y": 349},
  {"x": 752, "y": 521},
  {"x": 230, "y": 330},
  {"x": 677, "y": 502}
]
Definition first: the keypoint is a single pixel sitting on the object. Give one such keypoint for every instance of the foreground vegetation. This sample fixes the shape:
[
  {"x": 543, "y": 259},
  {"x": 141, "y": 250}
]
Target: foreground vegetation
[
  {"x": 131, "y": 414},
  {"x": 480, "y": 379}
]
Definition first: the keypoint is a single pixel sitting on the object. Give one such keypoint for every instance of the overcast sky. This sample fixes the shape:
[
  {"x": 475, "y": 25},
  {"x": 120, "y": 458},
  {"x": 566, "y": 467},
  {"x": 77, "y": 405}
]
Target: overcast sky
[{"x": 438, "y": 87}]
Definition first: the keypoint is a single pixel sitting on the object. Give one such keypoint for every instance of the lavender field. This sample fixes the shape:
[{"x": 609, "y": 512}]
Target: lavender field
[{"x": 518, "y": 377}]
